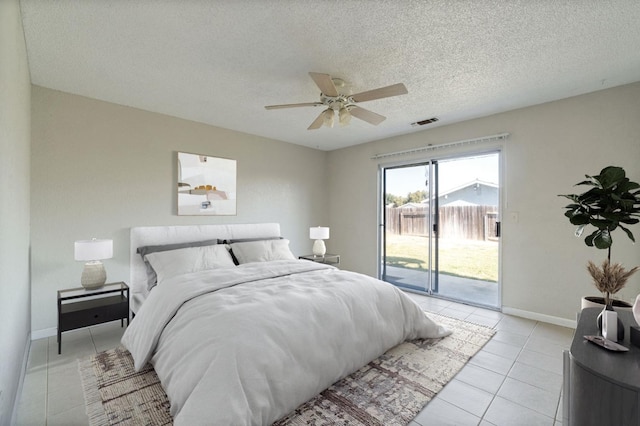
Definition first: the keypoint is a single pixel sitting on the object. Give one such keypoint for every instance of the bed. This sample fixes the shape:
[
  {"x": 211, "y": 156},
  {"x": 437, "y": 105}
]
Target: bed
[
  {"x": 164, "y": 235},
  {"x": 240, "y": 332}
]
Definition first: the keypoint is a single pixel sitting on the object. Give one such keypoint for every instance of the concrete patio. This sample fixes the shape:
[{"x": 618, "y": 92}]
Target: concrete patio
[{"x": 466, "y": 290}]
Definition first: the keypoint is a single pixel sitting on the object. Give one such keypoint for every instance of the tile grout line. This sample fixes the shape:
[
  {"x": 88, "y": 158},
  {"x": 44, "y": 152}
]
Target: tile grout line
[
  {"x": 495, "y": 394},
  {"x": 558, "y": 404},
  {"x": 441, "y": 312},
  {"x": 529, "y": 336},
  {"x": 555, "y": 417}
]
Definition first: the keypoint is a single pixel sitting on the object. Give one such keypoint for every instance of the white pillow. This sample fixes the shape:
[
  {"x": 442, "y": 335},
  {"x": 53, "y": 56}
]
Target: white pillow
[
  {"x": 170, "y": 263},
  {"x": 262, "y": 251}
]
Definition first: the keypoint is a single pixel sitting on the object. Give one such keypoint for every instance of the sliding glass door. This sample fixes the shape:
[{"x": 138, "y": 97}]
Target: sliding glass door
[
  {"x": 407, "y": 227},
  {"x": 440, "y": 227}
]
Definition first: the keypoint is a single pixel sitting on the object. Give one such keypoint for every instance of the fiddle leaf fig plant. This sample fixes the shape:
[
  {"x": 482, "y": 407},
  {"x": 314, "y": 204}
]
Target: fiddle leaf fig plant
[{"x": 612, "y": 202}]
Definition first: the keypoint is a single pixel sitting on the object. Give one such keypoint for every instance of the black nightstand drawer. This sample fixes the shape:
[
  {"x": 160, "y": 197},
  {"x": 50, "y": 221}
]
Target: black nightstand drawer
[
  {"x": 80, "y": 307},
  {"x": 92, "y": 312}
]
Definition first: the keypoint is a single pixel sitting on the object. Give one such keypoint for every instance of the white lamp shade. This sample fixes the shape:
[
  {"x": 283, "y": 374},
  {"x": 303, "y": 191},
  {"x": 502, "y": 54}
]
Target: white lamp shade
[
  {"x": 93, "y": 249},
  {"x": 319, "y": 233}
]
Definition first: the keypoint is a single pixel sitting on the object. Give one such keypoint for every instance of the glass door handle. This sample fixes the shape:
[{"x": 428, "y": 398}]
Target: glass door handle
[{"x": 498, "y": 229}]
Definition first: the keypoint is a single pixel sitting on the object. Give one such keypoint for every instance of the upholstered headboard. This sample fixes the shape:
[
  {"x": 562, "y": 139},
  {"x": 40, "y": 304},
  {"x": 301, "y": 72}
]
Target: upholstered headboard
[{"x": 157, "y": 235}]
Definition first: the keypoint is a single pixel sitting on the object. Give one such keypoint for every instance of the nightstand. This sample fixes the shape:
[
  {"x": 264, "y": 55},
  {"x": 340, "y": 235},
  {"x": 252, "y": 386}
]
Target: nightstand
[
  {"x": 330, "y": 259},
  {"x": 79, "y": 307}
]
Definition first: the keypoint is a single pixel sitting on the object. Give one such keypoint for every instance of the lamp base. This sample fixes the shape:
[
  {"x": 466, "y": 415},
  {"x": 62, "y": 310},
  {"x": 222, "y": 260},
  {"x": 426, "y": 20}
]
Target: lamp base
[
  {"x": 93, "y": 275},
  {"x": 319, "y": 249}
]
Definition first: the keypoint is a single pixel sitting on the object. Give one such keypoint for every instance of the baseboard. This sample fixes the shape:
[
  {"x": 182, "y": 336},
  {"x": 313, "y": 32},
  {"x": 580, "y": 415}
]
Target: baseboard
[
  {"x": 41, "y": 334},
  {"x": 539, "y": 317},
  {"x": 23, "y": 373}
]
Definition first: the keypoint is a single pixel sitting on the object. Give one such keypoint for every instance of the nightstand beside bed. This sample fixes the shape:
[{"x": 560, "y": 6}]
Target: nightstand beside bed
[
  {"x": 330, "y": 259},
  {"x": 79, "y": 307}
]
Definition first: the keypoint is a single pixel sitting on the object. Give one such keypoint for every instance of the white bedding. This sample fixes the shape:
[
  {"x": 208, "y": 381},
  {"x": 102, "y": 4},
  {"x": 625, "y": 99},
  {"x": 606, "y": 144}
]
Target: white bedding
[
  {"x": 159, "y": 235},
  {"x": 247, "y": 345}
]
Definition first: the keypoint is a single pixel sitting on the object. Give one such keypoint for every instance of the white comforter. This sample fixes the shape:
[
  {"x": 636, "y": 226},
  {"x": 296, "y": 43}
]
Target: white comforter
[{"x": 247, "y": 345}]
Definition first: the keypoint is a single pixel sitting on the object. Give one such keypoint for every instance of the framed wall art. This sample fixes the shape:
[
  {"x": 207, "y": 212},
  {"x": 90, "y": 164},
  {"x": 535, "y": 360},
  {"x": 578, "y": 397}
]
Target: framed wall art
[{"x": 206, "y": 185}]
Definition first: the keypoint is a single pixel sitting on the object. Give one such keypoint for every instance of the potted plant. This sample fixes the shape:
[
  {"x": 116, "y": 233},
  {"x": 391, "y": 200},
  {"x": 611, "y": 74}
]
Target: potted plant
[{"x": 612, "y": 203}]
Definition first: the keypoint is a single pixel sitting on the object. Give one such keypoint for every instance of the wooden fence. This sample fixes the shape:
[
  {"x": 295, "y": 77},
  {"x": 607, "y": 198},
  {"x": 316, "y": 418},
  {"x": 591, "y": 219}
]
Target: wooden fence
[{"x": 465, "y": 222}]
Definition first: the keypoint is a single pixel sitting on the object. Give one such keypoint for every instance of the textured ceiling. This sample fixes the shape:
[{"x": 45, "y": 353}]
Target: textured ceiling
[{"x": 221, "y": 62}]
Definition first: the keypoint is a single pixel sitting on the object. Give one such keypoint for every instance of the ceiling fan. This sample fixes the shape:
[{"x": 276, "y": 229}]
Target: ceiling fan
[{"x": 344, "y": 104}]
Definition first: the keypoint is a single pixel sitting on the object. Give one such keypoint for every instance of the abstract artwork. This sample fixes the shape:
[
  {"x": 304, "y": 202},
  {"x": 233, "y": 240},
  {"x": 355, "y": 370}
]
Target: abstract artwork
[{"x": 206, "y": 185}]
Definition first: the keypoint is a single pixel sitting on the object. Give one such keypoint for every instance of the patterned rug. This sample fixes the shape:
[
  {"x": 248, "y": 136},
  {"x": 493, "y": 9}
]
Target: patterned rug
[{"x": 390, "y": 390}]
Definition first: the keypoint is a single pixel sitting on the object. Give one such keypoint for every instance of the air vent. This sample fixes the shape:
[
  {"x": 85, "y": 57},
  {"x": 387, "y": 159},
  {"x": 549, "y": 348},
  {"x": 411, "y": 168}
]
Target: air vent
[{"x": 423, "y": 122}]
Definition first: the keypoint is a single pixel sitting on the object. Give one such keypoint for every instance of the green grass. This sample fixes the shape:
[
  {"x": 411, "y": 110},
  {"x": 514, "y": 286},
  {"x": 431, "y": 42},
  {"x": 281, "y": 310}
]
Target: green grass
[{"x": 463, "y": 258}]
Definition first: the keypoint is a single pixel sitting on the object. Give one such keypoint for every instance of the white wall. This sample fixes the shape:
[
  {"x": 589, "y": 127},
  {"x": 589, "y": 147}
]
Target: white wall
[
  {"x": 15, "y": 87},
  {"x": 551, "y": 147},
  {"x": 99, "y": 168}
]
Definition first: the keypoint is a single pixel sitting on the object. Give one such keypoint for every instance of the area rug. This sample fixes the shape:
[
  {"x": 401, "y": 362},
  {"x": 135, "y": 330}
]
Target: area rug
[{"x": 391, "y": 390}]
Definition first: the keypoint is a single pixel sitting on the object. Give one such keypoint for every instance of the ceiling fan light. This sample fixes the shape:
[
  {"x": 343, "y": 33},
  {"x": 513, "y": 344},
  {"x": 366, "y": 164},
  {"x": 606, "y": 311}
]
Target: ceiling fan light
[
  {"x": 327, "y": 117},
  {"x": 344, "y": 116}
]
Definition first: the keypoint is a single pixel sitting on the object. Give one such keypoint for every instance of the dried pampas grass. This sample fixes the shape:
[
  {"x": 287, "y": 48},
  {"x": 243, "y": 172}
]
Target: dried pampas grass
[{"x": 609, "y": 279}]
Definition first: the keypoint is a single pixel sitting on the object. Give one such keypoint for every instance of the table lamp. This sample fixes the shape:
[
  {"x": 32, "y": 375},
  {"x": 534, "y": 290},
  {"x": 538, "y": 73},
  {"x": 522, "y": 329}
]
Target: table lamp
[
  {"x": 319, "y": 233},
  {"x": 93, "y": 251}
]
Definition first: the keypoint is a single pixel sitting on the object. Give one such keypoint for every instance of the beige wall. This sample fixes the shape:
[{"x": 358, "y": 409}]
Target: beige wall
[
  {"x": 15, "y": 127},
  {"x": 99, "y": 169},
  {"x": 551, "y": 147}
]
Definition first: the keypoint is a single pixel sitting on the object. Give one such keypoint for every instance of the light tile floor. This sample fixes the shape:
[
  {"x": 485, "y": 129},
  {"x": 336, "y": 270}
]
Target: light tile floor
[{"x": 516, "y": 379}]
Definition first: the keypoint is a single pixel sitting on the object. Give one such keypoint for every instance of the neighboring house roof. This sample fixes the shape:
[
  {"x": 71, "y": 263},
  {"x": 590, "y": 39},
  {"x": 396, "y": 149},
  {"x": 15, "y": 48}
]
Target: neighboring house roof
[
  {"x": 460, "y": 203},
  {"x": 411, "y": 206},
  {"x": 471, "y": 194},
  {"x": 473, "y": 182},
  {"x": 443, "y": 195}
]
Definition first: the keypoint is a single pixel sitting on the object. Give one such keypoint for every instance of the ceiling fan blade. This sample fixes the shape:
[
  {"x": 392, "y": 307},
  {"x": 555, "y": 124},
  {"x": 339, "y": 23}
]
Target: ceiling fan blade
[
  {"x": 324, "y": 83},
  {"x": 382, "y": 92},
  {"x": 317, "y": 123},
  {"x": 293, "y": 105},
  {"x": 366, "y": 115}
]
